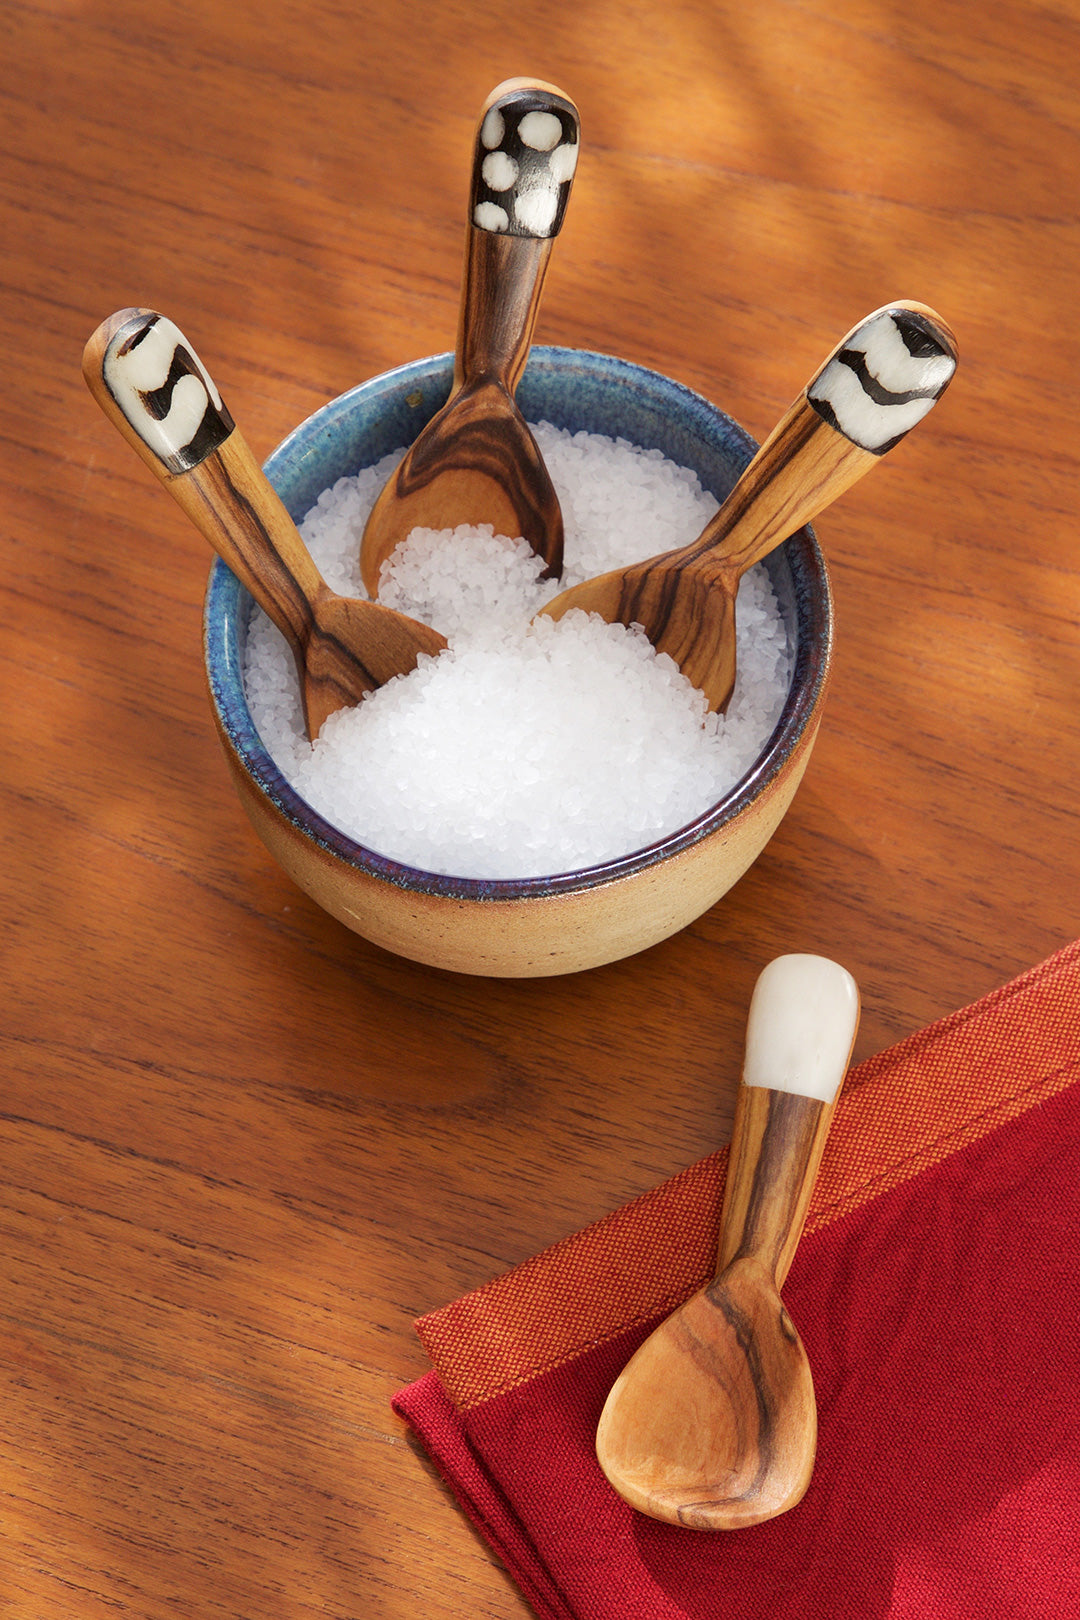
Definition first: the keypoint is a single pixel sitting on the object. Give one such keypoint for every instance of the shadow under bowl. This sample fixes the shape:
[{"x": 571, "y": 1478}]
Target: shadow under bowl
[{"x": 542, "y": 925}]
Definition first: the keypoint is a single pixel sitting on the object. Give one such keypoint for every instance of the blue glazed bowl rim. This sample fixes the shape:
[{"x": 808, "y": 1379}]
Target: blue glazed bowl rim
[{"x": 228, "y": 605}]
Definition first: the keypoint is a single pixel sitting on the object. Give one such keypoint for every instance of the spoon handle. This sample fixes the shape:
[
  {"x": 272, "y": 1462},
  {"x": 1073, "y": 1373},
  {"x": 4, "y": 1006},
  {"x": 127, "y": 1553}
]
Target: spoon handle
[
  {"x": 154, "y": 388},
  {"x": 523, "y": 165},
  {"x": 801, "y": 1027},
  {"x": 879, "y": 381}
]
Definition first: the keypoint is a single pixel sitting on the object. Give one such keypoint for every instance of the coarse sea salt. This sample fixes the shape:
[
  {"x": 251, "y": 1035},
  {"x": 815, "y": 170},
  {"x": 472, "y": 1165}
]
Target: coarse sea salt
[{"x": 527, "y": 748}]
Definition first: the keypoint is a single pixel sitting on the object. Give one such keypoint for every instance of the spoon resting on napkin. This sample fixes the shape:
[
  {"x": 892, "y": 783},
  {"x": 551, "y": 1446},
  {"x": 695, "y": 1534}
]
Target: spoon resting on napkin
[{"x": 713, "y": 1423}]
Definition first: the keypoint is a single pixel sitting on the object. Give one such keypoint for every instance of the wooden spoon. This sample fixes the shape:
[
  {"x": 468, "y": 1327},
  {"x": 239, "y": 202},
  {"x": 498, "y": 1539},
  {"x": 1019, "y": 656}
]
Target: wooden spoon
[
  {"x": 476, "y": 461},
  {"x": 877, "y": 383},
  {"x": 712, "y": 1424},
  {"x": 153, "y": 387}
]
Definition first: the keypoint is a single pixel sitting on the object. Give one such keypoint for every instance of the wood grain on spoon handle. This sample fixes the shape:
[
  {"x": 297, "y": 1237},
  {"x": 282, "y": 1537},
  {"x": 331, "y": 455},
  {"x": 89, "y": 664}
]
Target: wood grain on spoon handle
[
  {"x": 344, "y": 647},
  {"x": 777, "y": 1143},
  {"x": 803, "y": 466},
  {"x": 502, "y": 284},
  {"x": 235, "y": 508},
  {"x": 156, "y": 391},
  {"x": 686, "y": 598},
  {"x": 880, "y": 380}
]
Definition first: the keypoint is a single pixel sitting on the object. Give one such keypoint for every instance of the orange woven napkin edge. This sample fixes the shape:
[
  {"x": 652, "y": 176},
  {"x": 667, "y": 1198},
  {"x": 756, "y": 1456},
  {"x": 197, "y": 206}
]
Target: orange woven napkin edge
[{"x": 901, "y": 1111}]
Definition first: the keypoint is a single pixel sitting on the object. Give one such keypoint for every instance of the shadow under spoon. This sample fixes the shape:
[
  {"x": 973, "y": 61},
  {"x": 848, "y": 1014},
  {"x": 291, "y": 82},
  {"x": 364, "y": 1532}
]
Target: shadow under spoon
[
  {"x": 476, "y": 461},
  {"x": 881, "y": 379},
  {"x": 155, "y": 390},
  {"x": 713, "y": 1424}
]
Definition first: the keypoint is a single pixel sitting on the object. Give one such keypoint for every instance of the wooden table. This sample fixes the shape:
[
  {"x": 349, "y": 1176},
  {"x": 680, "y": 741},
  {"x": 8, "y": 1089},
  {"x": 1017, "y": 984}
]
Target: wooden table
[{"x": 242, "y": 1148}]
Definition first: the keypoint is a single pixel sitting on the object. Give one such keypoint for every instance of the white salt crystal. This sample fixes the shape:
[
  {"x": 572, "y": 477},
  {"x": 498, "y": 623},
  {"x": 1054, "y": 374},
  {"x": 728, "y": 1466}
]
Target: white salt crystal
[{"x": 526, "y": 748}]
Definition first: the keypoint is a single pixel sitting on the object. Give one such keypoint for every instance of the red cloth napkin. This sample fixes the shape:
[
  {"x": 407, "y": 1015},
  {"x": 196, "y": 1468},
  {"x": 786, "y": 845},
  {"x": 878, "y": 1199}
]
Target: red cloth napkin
[{"x": 936, "y": 1291}]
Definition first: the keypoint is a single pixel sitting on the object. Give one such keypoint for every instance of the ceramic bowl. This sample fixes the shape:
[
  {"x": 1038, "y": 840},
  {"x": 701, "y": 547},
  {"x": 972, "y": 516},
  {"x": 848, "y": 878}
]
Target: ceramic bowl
[{"x": 530, "y": 926}]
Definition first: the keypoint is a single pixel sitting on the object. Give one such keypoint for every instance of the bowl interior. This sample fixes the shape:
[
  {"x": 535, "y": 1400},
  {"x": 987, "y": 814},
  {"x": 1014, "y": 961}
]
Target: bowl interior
[{"x": 571, "y": 388}]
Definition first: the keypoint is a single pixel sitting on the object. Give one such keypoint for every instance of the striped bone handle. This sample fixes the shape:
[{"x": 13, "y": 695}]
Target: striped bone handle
[
  {"x": 156, "y": 391},
  {"x": 885, "y": 375},
  {"x": 526, "y": 154},
  {"x": 153, "y": 386},
  {"x": 878, "y": 382}
]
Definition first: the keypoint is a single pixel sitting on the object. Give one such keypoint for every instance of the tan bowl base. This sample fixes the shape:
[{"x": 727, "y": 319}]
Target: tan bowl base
[{"x": 536, "y": 936}]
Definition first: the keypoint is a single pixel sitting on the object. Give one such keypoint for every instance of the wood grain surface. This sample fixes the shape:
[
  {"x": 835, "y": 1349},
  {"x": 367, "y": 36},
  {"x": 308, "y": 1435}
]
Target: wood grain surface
[{"x": 242, "y": 1149}]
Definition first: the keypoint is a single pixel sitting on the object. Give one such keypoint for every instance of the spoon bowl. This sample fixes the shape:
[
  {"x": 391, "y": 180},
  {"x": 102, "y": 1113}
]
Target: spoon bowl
[
  {"x": 739, "y": 1447},
  {"x": 476, "y": 462},
  {"x": 156, "y": 391},
  {"x": 878, "y": 382},
  {"x": 713, "y": 1423}
]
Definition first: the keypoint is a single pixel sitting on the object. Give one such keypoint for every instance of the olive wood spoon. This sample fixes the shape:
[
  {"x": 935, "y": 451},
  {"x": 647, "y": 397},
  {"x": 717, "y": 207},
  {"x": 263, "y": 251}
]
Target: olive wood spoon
[
  {"x": 476, "y": 461},
  {"x": 154, "y": 388},
  {"x": 713, "y": 1424},
  {"x": 877, "y": 383}
]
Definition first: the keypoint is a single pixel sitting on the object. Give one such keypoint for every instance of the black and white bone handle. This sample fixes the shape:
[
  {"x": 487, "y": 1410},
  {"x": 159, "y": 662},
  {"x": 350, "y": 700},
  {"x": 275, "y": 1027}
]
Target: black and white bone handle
[
  {"x": 154, "y": 388},
  {"x": 524, "y": 161},
  {"x": 879, "y": 381},
  {"x": 525, "y": 155},
  {"x": 885, "y": 376},
  {"x": 156, "y": 391}
]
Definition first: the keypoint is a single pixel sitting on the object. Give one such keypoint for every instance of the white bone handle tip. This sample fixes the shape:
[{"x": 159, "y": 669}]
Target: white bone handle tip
[{"x": 801, "y": 1027}]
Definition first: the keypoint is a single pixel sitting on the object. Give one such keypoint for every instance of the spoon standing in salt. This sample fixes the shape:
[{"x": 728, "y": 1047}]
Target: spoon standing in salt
[
  {"x": 156, "y": 391},
  {"x": 713, "y": 1424},
  {"x": 878, "y": 382},
  {"x": 476, "y": 461}
]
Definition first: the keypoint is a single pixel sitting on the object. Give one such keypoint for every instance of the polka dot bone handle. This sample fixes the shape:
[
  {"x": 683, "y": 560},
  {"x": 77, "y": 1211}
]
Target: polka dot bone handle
[
  {"x": 476, "y": 461},
  {"x": 526, "y": 154}
]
